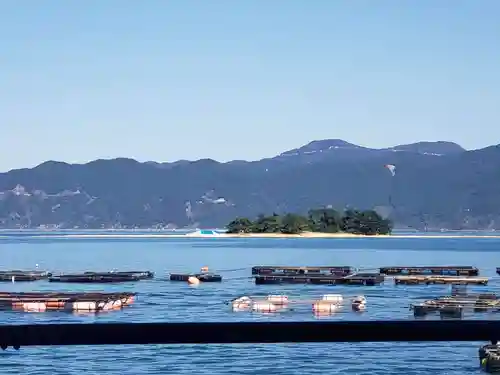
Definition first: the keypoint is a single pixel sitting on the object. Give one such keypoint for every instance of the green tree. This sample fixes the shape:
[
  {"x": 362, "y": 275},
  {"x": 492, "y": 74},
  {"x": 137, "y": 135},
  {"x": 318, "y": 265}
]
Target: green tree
[
  {"x": 294, "y": 224},
  {"x": 267, "y": 224},
  {"x": 350, "y": 221},
  {"x": 326, "y": 220},
  {"x": 367, "y": 222},
  {"x": 240, "y": 225}
]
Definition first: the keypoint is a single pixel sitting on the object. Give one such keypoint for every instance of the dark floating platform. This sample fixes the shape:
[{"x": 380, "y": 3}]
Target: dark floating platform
[
  {"x": 431, "y": 270},
  {"x": 303, "y": 270},
  {"x": 355, "y": 279},
  {"x": 435, "y": 279},
  {"x": 489, "y": 358},
  {"x": 18, "y": 275},
  {"x": 103, "y": 277},
  {"x": 454, "y": 306},
  {"x": 55, "y": 301},
  {"x": 206, "y": 277}
]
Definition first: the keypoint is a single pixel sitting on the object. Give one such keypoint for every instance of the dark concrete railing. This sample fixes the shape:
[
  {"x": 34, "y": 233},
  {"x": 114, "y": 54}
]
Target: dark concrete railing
[{"x": 247, "y": 332}]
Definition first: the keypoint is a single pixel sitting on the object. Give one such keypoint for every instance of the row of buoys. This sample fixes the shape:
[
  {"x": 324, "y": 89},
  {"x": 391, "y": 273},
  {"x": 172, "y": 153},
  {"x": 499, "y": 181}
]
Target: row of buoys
[
  {"x": 69, "y": 303},
  {"x": 69, "y": 306},
  {"x": 328, "y": 303}
]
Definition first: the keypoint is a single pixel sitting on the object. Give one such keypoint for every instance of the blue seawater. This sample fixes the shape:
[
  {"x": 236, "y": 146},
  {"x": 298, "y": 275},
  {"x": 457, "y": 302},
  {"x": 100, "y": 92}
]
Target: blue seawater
[{"x": 161, "y": 300}]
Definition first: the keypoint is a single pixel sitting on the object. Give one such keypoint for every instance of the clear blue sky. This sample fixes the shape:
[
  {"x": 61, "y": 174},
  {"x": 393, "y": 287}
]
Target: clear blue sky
[{"x": 187, "y": 79}]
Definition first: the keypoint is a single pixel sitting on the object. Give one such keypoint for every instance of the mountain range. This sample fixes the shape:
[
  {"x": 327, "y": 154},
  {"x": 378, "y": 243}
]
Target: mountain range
[{"x": 434, "y": 185}]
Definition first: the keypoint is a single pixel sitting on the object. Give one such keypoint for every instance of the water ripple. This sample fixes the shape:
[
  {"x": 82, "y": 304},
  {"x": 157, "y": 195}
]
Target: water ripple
[{"x": 161, "y": 300}]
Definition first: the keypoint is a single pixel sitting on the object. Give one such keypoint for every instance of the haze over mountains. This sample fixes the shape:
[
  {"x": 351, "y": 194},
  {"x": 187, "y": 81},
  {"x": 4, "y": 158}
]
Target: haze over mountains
[{"x": 436, "y": 185}]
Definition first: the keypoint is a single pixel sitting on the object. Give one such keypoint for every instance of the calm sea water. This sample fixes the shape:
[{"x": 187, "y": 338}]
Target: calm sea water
[{"x": 161, "y": 300}]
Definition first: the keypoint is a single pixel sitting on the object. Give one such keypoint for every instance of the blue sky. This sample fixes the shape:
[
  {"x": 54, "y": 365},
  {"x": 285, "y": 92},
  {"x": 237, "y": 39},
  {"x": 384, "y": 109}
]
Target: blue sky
[{"x": 188, "y": 79}]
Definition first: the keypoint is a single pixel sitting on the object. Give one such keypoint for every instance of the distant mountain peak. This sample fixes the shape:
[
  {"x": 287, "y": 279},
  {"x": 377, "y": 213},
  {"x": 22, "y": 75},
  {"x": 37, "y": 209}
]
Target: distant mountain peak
[
  {"x": 437, "y": 148},
  {"x": 338, "y": 148},
  {"x": 331, "y": 143},
  {"x": 52, "y": 164},
  {"x": 321, "y": 146}
]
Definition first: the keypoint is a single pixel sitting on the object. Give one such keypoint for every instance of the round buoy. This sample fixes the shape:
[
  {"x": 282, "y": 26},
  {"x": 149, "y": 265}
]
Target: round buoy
[
  {"x": 325, "y": 306},
  {"x": 264, "y": 306},
  {"x": 193, "y": 280},
  {"x": 241, "y": 303}
]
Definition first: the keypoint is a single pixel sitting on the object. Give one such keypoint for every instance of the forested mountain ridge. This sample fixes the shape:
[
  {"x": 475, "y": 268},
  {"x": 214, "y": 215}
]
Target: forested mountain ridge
[{"x": 436, "y": 184}]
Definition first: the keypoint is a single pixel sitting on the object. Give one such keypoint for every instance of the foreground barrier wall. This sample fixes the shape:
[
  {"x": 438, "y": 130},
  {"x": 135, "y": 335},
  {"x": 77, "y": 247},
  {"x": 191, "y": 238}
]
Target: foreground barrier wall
[{"x": 246, "y": 332}]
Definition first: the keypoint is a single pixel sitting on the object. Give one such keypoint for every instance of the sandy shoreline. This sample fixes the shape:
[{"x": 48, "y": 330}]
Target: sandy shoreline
[
  {"x": 348, "y": 235},
  {"x": 251, "y": 235}
]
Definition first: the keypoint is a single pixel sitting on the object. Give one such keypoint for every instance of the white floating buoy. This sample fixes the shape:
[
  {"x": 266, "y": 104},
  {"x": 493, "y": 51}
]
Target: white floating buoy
[
  {"x": 325, "y": 306},
  {"x": 264, "y": 306},
  {"x": 241, "y": 303},
  {"x": 278, "y": 299},
  {"x": 13, "y": 278},
  {"x": 333, "y": 298},
  {"x": 193, "y": 280},
  {"x": 83, "y": 306},
  {"x": 34, "y": 306}
]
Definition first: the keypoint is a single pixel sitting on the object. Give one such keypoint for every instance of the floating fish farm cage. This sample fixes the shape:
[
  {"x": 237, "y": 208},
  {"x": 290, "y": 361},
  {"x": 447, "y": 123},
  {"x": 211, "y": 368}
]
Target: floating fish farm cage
[
  {"x": 303, "y": 270},
  {"x": 489, "y": 358},
  {"x": 330, "y": 275},
  {"x": 434, "y": 279},
  {"x": 55, "y": 301},
  {"x": 103, "y": 277},
  {"x": 431, "y": 270},
  {"x": 370, "y": 279},
  {"x": 18, "y": 275},
  {"x": 456, "y": 306},
  {"x": 206, "y": 277},
  {"x": 348, "y": 275}
]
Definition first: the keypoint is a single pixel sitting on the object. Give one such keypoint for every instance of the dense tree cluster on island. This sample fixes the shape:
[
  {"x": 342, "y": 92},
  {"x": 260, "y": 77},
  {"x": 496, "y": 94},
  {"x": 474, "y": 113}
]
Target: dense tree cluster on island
[{"x": 325, "y": 220}]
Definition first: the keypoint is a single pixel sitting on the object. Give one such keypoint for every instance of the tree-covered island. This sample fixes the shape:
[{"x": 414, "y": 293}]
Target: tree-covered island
[{"x": 324, "y": 220}]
